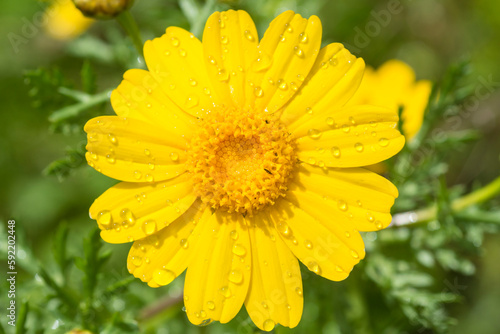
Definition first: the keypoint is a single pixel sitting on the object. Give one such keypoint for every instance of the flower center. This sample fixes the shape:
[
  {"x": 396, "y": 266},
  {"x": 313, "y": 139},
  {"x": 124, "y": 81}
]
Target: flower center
[{"x": 241, "y": 161}]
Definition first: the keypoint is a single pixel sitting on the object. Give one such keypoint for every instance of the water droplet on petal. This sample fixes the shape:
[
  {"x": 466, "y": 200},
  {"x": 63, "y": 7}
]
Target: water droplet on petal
[
  {"x": 298, "y": 51},
  {"x": 383, "y": 142},
  {"x": 314, "y": 267},
  {"x": 298, "y": 290},
  {"x": 149, "y": 227},
  {"x": 175, "y": 42},
  {"x": 335, "y": 152},
  {"x": 284, "y": 229},
  {"x": 184, "y": 243},
  {"x": 236, "y": 276},
  {"x": 258, "y": 92},
  {"x": 239, "y": 250},
  {"x": 223, "y": 75},
  {"x": 330, "y": 121},
  {"x": 163, "y": 276},
  {"x": 234, "y": 234},
  {"x": 282, "y": 85},
  {"x": 93, "y": 137},
  {"x": 182, "y": 53},
  {"x": 104, "y": 218},
  {"x": 369, "y": 217},
  {"x": 354, "y": 254},
  {"x": 211, "y": 305},
  {"x": 308, "y": 244},
  {"x": 136, "y": 260},
  {"x": 192, "y": 101},
  {"x": 342, "y": 205},
  {"x": 224, "y": 40},
  {"x": 110, "y": 158},
  {"x": 128, "y": 216},
  {"x": 303, "y": 38},
  {"x": 268, "y": 325},
  {"x": 137, "y": 175},
  {"x": 359, "y": 147},
  {"x": 314, "y": 133},
  {"x": 149, "y": 178},
  {"x": 248, "y": 35},
  {"x": 263, "y": 62},
  {"x": 348, "y": 235},
  {"x": 339, "y": 269},
  {"x": 174, "y": 156},
  {"x": 225, "y": 291}
]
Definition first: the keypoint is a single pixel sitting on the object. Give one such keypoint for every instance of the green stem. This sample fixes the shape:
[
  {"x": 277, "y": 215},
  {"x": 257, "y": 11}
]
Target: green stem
[
  {"x": 198, "y": 23},
  {"x": 75, "y": 109},
  {"x": 430, "y": 213},
  {"x": 127, "y": 22}
]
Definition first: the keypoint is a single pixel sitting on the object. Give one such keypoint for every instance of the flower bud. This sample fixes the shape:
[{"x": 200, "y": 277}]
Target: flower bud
[{"x": 102, "y": 9}]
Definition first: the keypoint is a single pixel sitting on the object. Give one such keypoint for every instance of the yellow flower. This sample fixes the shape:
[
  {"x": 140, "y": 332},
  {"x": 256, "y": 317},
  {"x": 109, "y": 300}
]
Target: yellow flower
[
  {"x": 393, "y": 86},
  {"x": 65, "y": 21},
  {"x": 237, "y": 157}
]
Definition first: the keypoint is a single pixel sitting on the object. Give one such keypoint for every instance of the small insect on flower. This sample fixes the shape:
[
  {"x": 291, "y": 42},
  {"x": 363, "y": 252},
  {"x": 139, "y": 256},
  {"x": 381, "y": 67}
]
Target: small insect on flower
[{"x": 238, "y": 157}]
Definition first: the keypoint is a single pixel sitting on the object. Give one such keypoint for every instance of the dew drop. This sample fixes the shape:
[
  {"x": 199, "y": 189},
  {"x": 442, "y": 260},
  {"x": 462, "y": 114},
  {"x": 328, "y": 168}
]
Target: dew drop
[
  {"x": 110, "y": 158},
  {"x": 206, "y": 91},
  {"x": 224, "y": 40},
  {"x": 298, "y": 290},
  {"x": 104, "y": 218},
  {"x": 192, "y": 82},
  {"x": 346, "y": 128},
  {"x": 284, "y": 229},
  {"x": 225, "y": 291},
  {"x": 128, "y": 216},
  {"x": 175, "y": 42},
  {"x": 282, "y": 85},
  {"x": 330, "y": 121},
  {"x": 314, "y": 133},
  {"x": 192, "y": 101},
  {"x": 264, "y": 305},
  {"x": 184, "y": 243},
  {"x": 339, "y": 269},
  {"x": 268, "y": 325},
  {"x": 354, "y": 254},
  {"x": 174, "y": 156},
  {"x": 136, "y": 260},
  {"x": 359, "y": 147},
  {"x": 258, "y": 92},
  {"x": 223, "y": 75},
  {"x": 94, "y": 156},
  {"x": 314, "y": 267},
  {"x": 348, "y": 235},
  {"x": 93, "y": 137},
  {"x": 263, "y": 62},
  {"x": 149, "y": 178},
  {"x": 383, "y": 142},
  {"x": 137, "y": 175},
  {"x": 211, "y": 305},
  {"x": 163, "y": 276},
  {"x": 298, "y": 51},
  {"x": 149, "y": 227},
  {"x": 182, "y": 53},
  {"x": 335, "y": 152},
  {"x": 378, "y": 225},
  {"x": 369, "y": 217},
  {"x": 311, "y": 161},
  {"x": 239, "y": 250},
  {"x": 303, "y": 38},
  {"x": 248, "y": 35},
  {"x": 236, "y": 276},
  {"x": 308, "y": 244},
  {"x": 234, "y": 235},
  {"x": 342, "y": 205},
  {"x": 147, "y": 152}
]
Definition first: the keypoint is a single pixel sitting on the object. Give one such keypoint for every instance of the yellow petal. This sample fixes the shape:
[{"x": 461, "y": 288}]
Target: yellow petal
[
  {"x": 230, "y": 45},
  {"x": 316, "y": 238},
  {"x": 176, "y": 62},
  {"x": 353, "y": 136},
  {"x": 414, "y": 107},
  {"x": 65, "y": 21},
  {"x": 159, "y": 258},
  {"x": 334, "y": 78},
  {"x": 358, "y": 197},
  {"x": 217, "y": 279},
  {"x": 131, "y": 211},
  {"x": 131, "y": 150},
  {"x": 285, "y": 56},
  {"x": 140, "y": 96},
  {"x": 275, "y": 292}
]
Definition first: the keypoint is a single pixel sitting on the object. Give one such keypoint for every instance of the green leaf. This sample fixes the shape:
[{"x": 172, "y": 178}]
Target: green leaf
[{"x": 89, "y": 78}]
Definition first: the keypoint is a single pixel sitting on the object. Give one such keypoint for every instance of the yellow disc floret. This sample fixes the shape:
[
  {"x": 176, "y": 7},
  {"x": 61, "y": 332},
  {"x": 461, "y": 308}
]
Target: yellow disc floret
[{"x": 241, "y": 161}]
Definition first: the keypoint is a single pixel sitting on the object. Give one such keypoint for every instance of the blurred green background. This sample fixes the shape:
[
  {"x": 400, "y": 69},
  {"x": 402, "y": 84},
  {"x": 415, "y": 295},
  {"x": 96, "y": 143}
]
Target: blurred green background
[{"x": 428, "y": 35}]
